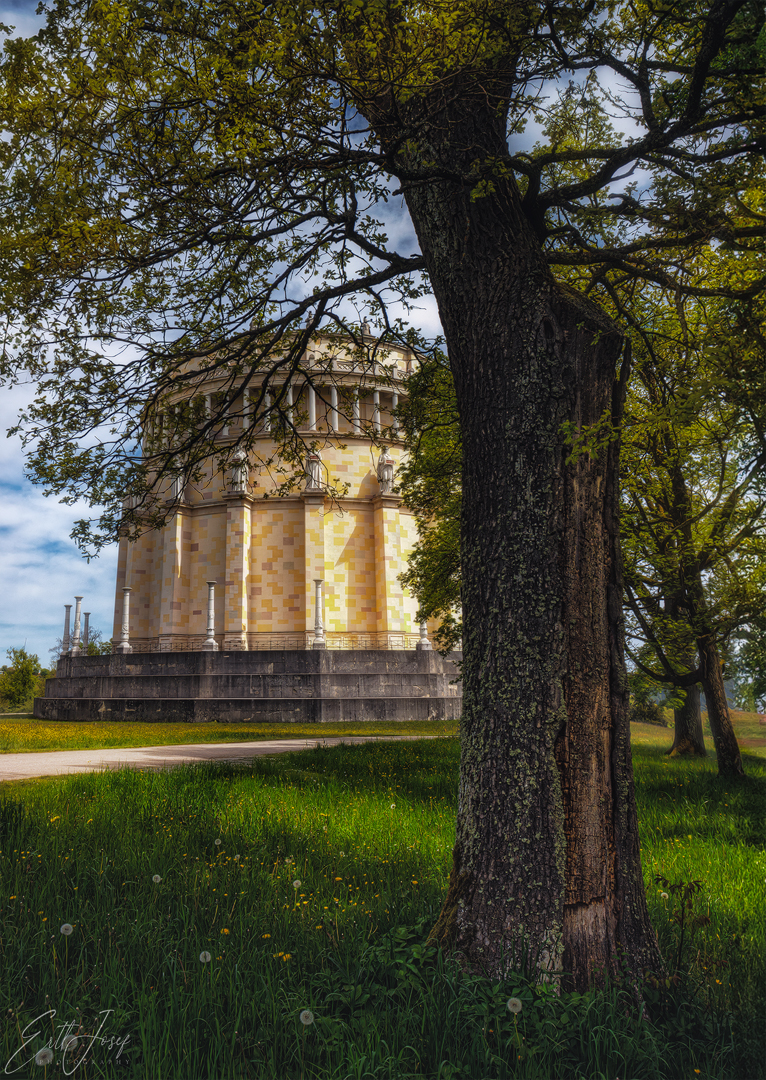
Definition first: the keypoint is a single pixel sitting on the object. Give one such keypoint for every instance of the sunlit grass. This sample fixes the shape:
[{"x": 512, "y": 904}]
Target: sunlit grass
[
  {"x": 367, "y": 831},
  {"x": 29, "y": 735},
  {"x": 747, "y": 727}
]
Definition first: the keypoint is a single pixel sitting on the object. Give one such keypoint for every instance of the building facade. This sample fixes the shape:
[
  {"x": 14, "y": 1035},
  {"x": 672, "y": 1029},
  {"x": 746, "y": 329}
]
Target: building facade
[{"x": 266, "y": 553}]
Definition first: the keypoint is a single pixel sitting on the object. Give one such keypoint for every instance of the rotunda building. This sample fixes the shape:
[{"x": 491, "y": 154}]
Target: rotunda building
[
  {"x": 291, "y": 571},
  {"x": 251, "y": 605}
]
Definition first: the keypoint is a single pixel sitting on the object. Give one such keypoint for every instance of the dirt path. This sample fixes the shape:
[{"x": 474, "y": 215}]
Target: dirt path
[{"x": 69, "y": 762}]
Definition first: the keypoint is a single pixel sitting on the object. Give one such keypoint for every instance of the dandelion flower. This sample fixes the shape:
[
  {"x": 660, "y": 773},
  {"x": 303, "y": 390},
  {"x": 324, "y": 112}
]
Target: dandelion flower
[
  {"x": 66, "y": 929},
  {"x": 306, "y": 1017},
  {"x": 205, "y": 958},
  {"x": 265, "y": 935},
  {"x": 156, "y": 879},
  {"x": 44, "y": 1056},
  {"x": 217, "y": 841},
  {"x": 225, "y": 931},
  {"x": 297, "y": 884},
  {"x": 514, "y": 1005}
]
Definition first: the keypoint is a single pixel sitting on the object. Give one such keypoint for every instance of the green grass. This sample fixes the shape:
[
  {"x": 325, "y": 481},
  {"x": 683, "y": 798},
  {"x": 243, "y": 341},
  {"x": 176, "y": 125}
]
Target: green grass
[
  {"x": 26, "y": 735},
  {"x": 347, "y": 942}
]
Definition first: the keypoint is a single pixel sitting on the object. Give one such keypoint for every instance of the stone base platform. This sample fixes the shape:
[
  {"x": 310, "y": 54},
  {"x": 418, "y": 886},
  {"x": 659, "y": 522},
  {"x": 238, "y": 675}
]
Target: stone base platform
[{"x": 281, "y": 687}]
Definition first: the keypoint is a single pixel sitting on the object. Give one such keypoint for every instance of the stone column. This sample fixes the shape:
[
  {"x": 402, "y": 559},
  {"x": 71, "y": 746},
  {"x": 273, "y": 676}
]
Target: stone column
[
  {"x": 312, "y": 406},
  {"x": 124, "y": 566},
  {"x": 334, "y": 408},
  {"x": 85, "y": 632},
  {"x": 319, "y": 638},
  {"x": 357, "y": 415},
  {"x": 210, "y": 644},
  {"x": 65, "y": 639},
  {"x": 389, "y": 595},
  {"x": 376, "y": 411},
  {"x": 238, "y": 533},
  {"x": 314, "y": 568},
  {"x": 124, "y": 645},
  {"x": 394, "y": 421},
  {"x": 172, "y": 583},
  {"x": 76, "y": 637}
]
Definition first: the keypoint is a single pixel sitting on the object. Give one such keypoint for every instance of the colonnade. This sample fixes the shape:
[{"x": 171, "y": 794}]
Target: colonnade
[{"x": 74, "y": 643}]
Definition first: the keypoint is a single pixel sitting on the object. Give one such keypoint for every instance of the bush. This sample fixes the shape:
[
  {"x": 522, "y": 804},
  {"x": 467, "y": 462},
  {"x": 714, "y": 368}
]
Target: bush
[
  {"x": 19, "y": 681},
  {"x": 648, "y": 712}
]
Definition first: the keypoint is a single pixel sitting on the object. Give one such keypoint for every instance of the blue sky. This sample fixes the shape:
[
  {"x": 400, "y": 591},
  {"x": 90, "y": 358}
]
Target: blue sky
[{"x": 40, "y": 567}]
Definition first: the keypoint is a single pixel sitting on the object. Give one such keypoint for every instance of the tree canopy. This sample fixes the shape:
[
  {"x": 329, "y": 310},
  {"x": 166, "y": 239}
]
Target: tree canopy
[{"x": 211, "y": 181}]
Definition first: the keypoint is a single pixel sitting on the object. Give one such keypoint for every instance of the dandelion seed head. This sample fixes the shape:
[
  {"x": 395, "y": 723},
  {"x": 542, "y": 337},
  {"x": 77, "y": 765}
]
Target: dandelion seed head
[
  {"x": 205, "y": 957},
  {"x": 156, "y": 879},
  {"x": 217, "y": 841},
  {"x": 513, "y": 1005},
  {"x": 44, "y": 1056},
  {"x": 663, "y": 896},
  {"x": 297, "y": 883},
  {"x": 306, "y": 1017},
  {"x": 66, "y": 929}
]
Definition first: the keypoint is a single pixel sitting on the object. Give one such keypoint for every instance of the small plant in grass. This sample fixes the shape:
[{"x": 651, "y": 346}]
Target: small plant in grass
[{"x": 682, "y": 896}]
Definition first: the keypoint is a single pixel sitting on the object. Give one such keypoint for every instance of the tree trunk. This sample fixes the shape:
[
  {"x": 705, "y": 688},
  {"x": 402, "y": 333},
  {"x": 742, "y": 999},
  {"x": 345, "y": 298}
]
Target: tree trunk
[
  {"x": 688, "y": 738},
  {"x": 721, "y": 727},
  {"x": 546, "y": 865}
]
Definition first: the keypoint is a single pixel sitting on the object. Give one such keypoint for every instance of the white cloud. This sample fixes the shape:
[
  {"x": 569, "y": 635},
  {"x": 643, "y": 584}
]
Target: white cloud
[{"x": 40, "y": 567}]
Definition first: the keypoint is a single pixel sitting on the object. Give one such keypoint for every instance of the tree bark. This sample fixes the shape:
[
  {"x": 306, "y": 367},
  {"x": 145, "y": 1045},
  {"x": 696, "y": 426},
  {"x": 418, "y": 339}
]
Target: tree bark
[
  {"x": 688, "y": 739},
  {"x": 719, "y": 717},
  {"x": 546, "y": 865}
]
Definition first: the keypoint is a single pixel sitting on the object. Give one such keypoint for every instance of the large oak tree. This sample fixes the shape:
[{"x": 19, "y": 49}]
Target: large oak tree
[{"x": 192, "y": 179}]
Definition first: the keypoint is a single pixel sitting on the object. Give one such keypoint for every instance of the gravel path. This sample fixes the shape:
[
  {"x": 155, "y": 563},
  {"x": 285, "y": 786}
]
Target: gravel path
[{"x": 67, "y": 762}]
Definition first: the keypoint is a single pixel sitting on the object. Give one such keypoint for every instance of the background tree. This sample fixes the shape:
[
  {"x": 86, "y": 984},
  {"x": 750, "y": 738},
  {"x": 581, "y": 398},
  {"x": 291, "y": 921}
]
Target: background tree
[
  {"x": 19, "y": 680},
  {"x": 192, "y": 180},
  {"x": 693, "y": 531},
  {"x": 749, "y": 665},
  {"x": 97, "y": 645},
  {"x": 430, "y": 483}
]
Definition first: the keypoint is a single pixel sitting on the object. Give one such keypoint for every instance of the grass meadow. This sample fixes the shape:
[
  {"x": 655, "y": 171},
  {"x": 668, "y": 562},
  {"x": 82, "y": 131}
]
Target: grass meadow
[
  {"x": 268, "y": 921},
  {"x": 25, "y": 734}
]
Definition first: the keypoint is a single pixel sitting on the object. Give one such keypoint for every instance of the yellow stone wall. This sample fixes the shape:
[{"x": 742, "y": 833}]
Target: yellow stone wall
[{"x": 264, "y": 553}]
